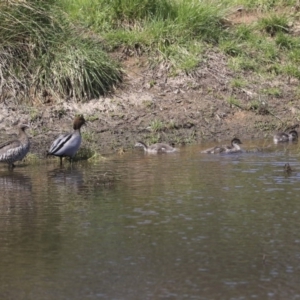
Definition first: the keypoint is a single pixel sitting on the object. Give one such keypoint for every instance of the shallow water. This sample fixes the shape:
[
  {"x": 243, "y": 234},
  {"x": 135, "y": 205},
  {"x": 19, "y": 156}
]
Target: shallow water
[{"x": 177, "y": 226}]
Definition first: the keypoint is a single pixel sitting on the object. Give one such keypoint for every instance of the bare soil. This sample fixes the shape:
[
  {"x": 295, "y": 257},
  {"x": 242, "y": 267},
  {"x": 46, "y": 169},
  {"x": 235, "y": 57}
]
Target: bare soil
[{"x": 153, "y": 106}]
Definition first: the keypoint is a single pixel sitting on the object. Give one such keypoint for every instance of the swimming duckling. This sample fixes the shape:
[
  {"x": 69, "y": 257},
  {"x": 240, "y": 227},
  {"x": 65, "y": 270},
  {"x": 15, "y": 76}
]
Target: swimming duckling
[
  {"x": 283, "y": 137},
  {"x": 156, "y": 148},
  {"x": 287, "y": 168},
  {"x": 68, "y": 144},
  {"x": 234, "y": 148},
  {"x": 14, "y": 150}
]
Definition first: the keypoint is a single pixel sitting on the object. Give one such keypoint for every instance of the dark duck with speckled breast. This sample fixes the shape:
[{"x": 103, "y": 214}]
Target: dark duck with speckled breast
[
  {"x": 15, "y": 150},
  {"x": 67, "y": 145}
]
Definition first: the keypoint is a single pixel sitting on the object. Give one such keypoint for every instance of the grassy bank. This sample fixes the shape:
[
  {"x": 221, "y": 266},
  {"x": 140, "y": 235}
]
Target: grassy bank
[
  {"x": 179, "y": 31},
  {"x": 44, "y": 57},
  {"x": 60, "y": 47}
]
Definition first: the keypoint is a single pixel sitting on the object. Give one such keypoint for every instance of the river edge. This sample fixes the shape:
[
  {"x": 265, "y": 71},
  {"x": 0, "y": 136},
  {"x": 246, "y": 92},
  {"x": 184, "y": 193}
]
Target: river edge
[{"x": 153, "y": 107}]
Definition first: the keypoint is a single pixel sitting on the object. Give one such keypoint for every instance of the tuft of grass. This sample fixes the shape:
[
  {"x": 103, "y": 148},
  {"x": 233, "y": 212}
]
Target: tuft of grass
[
  {"x": 243, "y": 62},
  {"x": 286, "y": 42},
  {"x": 96, "y": 157},
  {"x": 42, "y": 52},
  {"x": 232, "y": 101},
  {"x": 272, "y": 91},
  {"x": 89, "y": 154},
  {"x": 238, "y": 83},
  {"x": 156, "y": 125},
  {"x": 274, "y": 24},
  {"x": 154, "y": 138},
  {"x": 291, "y": 70},
  {"x": 231, "y": 47}
]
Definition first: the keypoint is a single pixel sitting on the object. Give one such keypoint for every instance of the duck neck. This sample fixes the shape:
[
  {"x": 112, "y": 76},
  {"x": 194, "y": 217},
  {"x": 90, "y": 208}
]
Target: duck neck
[
  {"x": 77, "y": 131},
  {"x": 23, "y": 137},
  {"x": 236, "y": 146},
  {"x": 144, "y": 146}
]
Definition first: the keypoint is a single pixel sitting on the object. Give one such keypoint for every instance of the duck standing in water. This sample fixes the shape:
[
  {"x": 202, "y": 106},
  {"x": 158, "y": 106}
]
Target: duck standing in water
[
  {"x": 14, "y": 150},
  {"x": 234, "y": 148},
  {"x": 156, "y": 148},
  {"x": 68, "y": 144},
  {"x": 283, "y": 137}
]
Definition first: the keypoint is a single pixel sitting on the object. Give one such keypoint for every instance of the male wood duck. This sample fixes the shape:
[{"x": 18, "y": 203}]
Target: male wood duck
[
  {"x": 283, "y": 137},
  {"x": 14, "y": 150},
  {"x": 234, "y": 148},
  {"x": 156, "y": 148},
  {"x": 68, "y": 144}
]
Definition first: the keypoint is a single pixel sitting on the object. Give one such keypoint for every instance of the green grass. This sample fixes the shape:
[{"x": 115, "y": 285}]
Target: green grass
[
  {"x": 169, "y": 30},
  {"x": 42, "y": 52},
  {"x": 156, "y": 125},
  {"x": 62, "y": 47}
]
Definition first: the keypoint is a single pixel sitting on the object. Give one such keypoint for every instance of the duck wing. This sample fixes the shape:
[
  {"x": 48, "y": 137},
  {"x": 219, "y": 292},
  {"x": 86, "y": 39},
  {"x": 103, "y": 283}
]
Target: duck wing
[
  {"x": 281, "y": 137},
  {"x": 59, "y": 143},
  {"x": 214, "y": 150},
  {"x": 161, "y": 147},
  {"x": 4, "y": 147}
]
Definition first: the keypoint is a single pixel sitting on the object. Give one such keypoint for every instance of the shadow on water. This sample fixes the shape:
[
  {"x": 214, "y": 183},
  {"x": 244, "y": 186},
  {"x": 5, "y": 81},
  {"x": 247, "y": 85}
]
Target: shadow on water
[{"x": 136, "y": 226}]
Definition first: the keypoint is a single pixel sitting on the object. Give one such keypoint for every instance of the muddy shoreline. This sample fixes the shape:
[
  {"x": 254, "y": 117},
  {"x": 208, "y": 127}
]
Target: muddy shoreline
[{"x": 152, "y": 106}]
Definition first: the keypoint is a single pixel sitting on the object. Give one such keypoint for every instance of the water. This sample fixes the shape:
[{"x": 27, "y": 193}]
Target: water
[{"x": 178, "y": 226}]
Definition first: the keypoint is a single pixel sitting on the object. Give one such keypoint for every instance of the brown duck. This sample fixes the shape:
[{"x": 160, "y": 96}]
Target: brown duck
[{"x": 14, "y": 150}]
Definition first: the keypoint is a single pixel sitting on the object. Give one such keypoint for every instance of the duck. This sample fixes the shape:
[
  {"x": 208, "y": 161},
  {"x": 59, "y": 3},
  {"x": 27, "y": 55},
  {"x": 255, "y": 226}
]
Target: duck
[
  {"x": 156, "y": 148},
  {"x": 67, "y": 145},
  {"x": 283, "y": 137},
  {"x": 287, "y": 168},
  {"x": 234, "y": 148},
  {"x": 16, "y": 149}
]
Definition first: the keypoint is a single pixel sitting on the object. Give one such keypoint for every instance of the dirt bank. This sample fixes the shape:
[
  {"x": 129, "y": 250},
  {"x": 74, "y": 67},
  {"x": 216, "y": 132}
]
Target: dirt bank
[{"x": 152, "y": 106}]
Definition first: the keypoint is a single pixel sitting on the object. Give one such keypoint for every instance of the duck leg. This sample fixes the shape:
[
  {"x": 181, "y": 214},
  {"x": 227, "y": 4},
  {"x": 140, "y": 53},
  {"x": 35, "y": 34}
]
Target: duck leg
[{"x": 11, "y": 166}]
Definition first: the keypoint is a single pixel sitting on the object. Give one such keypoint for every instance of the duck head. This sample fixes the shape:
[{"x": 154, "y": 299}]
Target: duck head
[
  {"x": 293, "y": 134},
  {"x": 78, "y": 122},
  {"x": 236, "y": 141},
  {"x": 140, "y": 144},
  {"x": 23, "y": 127}
]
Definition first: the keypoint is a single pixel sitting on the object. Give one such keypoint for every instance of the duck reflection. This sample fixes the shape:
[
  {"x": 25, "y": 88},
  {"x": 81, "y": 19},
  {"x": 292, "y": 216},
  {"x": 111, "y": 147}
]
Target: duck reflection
[
  {"x": 16, "y": 190},
  {"x": 71, "y": 178},
  {"x": 79, "y": 180}
]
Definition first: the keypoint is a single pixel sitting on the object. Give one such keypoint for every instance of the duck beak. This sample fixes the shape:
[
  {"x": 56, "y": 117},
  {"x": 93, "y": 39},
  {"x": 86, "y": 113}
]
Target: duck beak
[{"x": 26, "y": 125}]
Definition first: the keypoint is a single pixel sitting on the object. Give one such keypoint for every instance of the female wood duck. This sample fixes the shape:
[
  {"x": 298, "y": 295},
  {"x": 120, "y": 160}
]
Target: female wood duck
[
  {"x": 14, "y": 150},
  {"x": 156, "y": 148},
  {"x": 283, "y": 137},
  {"x": 234, "y": 148},
  {"x": 68, "y": 144}
]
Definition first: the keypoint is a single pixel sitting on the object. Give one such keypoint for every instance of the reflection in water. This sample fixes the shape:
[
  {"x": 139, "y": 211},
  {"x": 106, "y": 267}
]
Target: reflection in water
[
  {"x": 70, "y": 177},
  {"x": 78, "y": 181},
  {"x": 136, "y": 226},
  {"x": 16, "y": 190}
]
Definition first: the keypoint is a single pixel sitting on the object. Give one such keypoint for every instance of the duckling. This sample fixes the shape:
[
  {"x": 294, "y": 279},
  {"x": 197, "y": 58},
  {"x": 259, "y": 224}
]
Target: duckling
[
  {"x": 14, "y": 150},
  {"x": 283, "y": 137},
  {"x": 156, "y": 148},
  {"x": 234, "y": 148},
  {"x": 287, "y": 168},
  {"x": 68, "y": 144}
]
